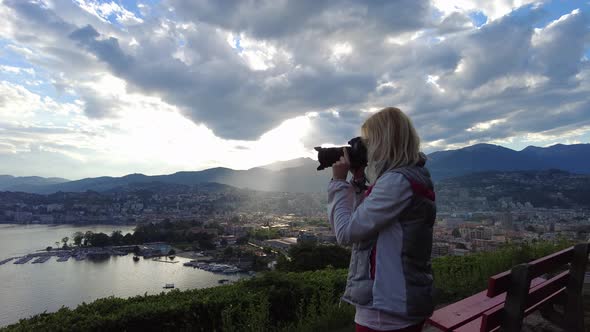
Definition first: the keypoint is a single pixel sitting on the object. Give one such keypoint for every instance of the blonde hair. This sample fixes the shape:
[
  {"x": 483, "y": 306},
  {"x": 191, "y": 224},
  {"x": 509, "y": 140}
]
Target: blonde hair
[{"x": 391, "y": 142}]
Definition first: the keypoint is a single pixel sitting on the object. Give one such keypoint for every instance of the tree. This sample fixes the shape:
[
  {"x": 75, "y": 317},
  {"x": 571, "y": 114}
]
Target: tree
[
  {"x": 87, "y": 237},
  {"x": 228, "y": 252},
  {"x": 116, "y": 238},
  {"x": 100, "y": 240},
  {"x": 128, "y": 239},
  {"x": 49, "y": 248},
  {"x": 456, "y": 233},
  {"x": 223, "y": 242},
  {"x": 309, "y": 257},
  {"x": 78, "y": 238},
  {"x": 242, "y": 240},
  {"x": 205, "y": 240},
  {"x": 172, "y": 252},
  {"x": 65, "y": 241}
]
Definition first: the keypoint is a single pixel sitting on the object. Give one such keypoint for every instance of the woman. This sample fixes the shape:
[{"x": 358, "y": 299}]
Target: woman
[{"x": 389, "y": 226}]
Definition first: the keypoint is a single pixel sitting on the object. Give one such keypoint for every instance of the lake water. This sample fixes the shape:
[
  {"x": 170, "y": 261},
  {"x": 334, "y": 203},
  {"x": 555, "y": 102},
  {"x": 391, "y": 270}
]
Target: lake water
[{"x": 29, "y": 289}]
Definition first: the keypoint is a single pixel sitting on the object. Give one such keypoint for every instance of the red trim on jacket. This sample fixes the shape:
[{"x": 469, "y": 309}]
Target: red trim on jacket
[
  {"x": 420, "y": 189},
  {"x": 373, "y": 260}
]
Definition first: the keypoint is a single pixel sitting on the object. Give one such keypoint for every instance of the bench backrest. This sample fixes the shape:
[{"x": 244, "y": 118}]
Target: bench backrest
[
  {"x": 521, "y": 299},
  {"x": 539, "y": 295},
  {"x": 499, "y": 283}
]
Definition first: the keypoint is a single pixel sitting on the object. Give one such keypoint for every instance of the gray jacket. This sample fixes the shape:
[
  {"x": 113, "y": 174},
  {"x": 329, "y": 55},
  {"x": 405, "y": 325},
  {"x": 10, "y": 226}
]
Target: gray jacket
[{"x": 391, "y": 236}]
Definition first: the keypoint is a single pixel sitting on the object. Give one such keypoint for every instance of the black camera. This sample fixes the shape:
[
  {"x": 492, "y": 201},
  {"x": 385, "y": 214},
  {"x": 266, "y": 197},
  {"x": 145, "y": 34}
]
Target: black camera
[{"x": 357, "y": 152}]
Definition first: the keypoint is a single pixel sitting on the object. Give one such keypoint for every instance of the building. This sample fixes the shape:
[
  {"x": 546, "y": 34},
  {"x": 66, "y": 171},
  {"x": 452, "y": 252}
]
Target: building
[
  {"x": 460, "y": 252},
  {"x": 470, "y": 232},
  {"x": 23, "y": 216},
  {"x": 281, "y": 244},
  {"x": 440, "y": 249},
  {"x": 306, "y": 238},
  {"x": 161, "y": 247},
  {"x": 452, "y": 222},
  {"x": 507, "y": 221}
]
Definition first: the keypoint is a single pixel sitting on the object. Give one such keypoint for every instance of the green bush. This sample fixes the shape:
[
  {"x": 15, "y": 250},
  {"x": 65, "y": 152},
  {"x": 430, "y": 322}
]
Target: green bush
[
  {"x": 456, "y": 277},
  {"x": 310, "y": 257}
]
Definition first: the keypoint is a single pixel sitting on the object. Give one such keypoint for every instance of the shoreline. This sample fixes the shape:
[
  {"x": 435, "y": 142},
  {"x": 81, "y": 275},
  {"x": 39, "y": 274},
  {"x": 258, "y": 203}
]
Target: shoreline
[{"x": 64, "y": 224}]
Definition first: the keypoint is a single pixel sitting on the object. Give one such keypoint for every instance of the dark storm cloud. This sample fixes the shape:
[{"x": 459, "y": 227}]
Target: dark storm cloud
[
  {"x": 225, "y": 95},
  {"x": 335, "y": 129},
  {"x": 107, "y": 49},
  {"x": 279, "y": 19}
]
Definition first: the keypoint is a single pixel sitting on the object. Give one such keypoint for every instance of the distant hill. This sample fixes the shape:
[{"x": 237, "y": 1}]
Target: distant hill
[
  {"x": 300, "y": 175},
  {"x": 574, "y": 158},
  {"x": 487, "y": 157},
  {"x": 280, "y": 165},
  {"x": 296, "y": 179},
  {"x": 548, "y": 188},
  {"x": 21, "y": 183}
]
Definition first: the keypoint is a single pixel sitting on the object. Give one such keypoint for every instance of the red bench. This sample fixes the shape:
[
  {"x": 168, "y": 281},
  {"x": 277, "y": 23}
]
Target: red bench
[{"x": 512, "y": 295}]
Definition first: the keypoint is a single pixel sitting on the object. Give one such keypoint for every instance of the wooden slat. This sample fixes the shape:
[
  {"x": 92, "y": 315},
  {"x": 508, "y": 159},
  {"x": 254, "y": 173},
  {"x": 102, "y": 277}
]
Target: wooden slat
[
  {"x": 537, "y": 295},
  {"x": 552, "y": 262},
  {"x": 499, "y": 283},
  {"x": 472, "y": 326},
  {"x": 468, "y": 309},
  {"x": 477, "y": 325}
]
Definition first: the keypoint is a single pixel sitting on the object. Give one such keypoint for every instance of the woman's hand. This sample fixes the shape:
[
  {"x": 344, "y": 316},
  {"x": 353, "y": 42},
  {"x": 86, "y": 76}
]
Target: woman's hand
[
  {"x": 341, "y": 167},
  {"x": 358, "y": 174}
]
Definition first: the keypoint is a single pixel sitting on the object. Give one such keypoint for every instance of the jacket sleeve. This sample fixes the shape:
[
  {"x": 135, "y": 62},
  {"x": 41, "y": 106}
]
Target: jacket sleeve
[{"x": 389, "y": 197}]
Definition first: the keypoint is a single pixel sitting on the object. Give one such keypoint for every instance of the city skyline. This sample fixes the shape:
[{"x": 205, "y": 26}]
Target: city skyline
[{"x": 91, "y": 88}]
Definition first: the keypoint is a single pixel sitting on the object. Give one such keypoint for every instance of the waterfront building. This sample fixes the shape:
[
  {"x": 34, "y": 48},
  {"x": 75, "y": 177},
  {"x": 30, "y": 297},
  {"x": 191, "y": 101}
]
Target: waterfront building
[
  {"x": 282, "y": 243},
  {"x": 161, "y": 247},
  {"x": 440, "y": 249},
  {"x": 23, "y": 216}
]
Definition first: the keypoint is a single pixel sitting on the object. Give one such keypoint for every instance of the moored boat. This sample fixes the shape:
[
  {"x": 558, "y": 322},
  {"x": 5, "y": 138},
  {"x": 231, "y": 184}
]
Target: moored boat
[{"x": 231, "y": 270}]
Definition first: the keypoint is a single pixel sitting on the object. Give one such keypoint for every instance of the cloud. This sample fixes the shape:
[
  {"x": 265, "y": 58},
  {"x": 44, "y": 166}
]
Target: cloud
[
  {"x": 270, "y": 19},
  {"x": 238, "y": 70},
  {"x": 559, "y": 47},
  {"x": 492, "y": 9}
]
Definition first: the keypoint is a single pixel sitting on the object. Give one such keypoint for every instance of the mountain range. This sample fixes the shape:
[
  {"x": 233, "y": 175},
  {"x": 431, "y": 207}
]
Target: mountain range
[{"x": 300, "y": 175}]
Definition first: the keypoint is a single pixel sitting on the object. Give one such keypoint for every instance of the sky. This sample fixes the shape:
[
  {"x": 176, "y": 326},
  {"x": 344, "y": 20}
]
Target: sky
[{"x": 92, "y": 88}]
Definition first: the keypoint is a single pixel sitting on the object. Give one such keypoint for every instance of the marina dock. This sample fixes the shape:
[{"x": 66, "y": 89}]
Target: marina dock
[
  {"x": 24, "y": 259},
  {"x": 164, "y": 261},
  {"x": 6, "y": 260},
  {"x": 82, "y": 253},
  {"x": 41, "y": 259},
  {"x": 63, "y": 258}
]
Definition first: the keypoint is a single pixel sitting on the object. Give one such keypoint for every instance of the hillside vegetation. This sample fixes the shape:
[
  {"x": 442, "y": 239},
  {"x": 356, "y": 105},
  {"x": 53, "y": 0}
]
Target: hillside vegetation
[
  {"x": 274, "y": 301},
  {"x": 549, "y": 188}
]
